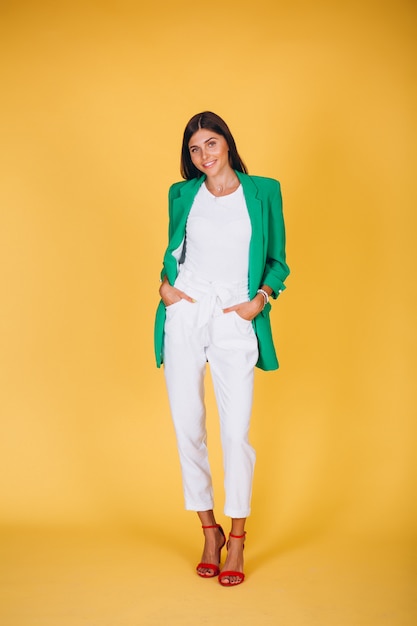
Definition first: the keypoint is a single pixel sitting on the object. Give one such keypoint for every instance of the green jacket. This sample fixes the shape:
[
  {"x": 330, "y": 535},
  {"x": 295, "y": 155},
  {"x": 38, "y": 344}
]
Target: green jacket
[{"x": 267, "y": 264}]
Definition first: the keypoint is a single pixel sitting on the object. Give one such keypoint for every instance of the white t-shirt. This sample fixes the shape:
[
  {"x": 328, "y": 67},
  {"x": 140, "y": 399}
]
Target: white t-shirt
[{"x": 217, "y": 237}]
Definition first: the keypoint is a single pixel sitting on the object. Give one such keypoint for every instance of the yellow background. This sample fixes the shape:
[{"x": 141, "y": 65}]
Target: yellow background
[{"x": 95, "y": 96}]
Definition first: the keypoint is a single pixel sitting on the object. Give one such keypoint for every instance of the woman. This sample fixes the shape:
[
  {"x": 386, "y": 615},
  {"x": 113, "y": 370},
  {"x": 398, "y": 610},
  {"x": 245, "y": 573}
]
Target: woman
[{"x": 225, "y": 259}]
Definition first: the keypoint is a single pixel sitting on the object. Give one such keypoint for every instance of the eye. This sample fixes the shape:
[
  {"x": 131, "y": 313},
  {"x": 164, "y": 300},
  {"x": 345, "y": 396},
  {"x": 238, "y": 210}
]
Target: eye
[
  {"x": 211, "y": 144},
  {"x": 193, "y": 149}
]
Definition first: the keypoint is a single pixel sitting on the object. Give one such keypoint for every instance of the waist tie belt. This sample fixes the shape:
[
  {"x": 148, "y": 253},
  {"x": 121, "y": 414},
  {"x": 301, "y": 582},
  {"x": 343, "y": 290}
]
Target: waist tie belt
[{"x": 211, "y": 296}]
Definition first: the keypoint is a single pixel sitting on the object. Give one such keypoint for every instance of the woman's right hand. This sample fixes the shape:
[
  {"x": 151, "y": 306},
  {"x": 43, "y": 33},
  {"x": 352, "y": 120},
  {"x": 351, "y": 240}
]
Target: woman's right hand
[{"x": 171, "y": 295}]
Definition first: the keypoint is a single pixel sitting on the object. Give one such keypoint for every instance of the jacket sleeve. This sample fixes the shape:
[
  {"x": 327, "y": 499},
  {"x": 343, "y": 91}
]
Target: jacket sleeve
[{"x": 276, "y": 268}]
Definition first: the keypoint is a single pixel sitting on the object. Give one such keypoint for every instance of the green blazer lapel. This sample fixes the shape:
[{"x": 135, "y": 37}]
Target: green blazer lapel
[
  {"x": 254, "y": 205},
  {"x": 181, "y": 205}
]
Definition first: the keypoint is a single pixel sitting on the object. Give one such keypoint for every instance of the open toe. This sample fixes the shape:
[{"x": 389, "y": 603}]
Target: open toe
[{"x": 210, "y": 570}]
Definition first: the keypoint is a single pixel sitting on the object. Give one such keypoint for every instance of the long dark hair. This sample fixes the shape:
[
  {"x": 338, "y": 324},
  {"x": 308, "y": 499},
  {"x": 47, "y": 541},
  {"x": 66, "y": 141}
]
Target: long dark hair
[{"x": 213, "y": 122}]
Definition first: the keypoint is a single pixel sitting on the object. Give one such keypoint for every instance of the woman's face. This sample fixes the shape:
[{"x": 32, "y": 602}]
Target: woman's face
[{"x": 209, "y": 152}]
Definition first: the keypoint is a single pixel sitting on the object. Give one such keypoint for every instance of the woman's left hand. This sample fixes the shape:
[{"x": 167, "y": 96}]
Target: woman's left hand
[{"x": 248, "y": 310}]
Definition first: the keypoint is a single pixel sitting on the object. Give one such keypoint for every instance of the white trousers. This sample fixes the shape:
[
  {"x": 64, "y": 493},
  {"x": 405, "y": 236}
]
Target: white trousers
[{"x": 197, "y": 333}]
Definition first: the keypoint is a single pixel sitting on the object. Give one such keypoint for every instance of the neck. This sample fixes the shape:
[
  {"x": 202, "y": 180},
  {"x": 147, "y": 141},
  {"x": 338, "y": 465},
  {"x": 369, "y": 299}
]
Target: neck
[{"x": 223, "y": 184}]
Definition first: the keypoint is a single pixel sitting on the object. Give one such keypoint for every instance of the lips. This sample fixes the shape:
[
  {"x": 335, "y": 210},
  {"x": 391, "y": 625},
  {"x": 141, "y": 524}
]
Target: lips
[{"x": 209, "y": 164}]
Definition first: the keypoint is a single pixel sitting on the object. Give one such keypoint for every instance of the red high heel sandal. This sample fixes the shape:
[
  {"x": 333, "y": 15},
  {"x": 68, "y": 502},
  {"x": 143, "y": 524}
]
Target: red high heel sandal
[
  {"x": 228, "y": 574},
  {"x": 210, "y": 566}
]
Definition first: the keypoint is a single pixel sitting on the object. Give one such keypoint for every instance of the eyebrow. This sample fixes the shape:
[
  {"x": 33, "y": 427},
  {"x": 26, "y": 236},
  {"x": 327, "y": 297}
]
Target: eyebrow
[{"x": 206, "y": 141}]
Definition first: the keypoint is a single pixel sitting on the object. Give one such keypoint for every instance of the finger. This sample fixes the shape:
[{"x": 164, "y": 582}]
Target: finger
[
  {"x": 229, "y": 309},
  {"x": 168, "y": 302},
  {"x": 185, "y": 296}
]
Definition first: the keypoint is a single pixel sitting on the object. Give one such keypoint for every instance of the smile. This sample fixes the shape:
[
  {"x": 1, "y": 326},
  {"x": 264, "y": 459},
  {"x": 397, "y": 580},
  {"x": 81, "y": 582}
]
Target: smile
[{"x": 209, "y": 164}]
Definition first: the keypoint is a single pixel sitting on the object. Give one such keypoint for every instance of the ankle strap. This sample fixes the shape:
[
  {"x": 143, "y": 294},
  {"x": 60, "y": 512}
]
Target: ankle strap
[
  {"x": 214, "y": 526},
  {"x": 237, "y": 536}
]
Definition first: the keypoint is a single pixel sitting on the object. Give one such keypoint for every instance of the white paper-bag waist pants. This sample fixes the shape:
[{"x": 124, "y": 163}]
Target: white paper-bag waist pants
[{"x": 194, "y": 334}]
